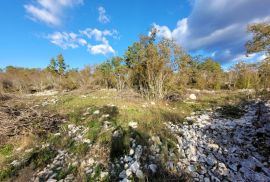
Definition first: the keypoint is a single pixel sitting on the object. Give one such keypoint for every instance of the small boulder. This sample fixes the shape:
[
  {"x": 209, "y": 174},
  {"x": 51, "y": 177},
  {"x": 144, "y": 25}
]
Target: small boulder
[
  {"x": 123, "y": 174},
  {"x": 139, "y": 174},
  {"x": 153, "y": 168},
  {"x": 133, "y": 125},
  {"x": 192, "y": 97},
  {"x": 96, "y": 112}
]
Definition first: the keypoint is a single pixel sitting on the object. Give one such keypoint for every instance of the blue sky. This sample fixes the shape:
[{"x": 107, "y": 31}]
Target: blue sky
[{"x": 90, "y": 31}]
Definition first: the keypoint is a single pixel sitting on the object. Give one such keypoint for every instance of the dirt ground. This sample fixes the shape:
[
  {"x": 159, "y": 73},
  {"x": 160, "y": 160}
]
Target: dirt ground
[{"x": 18, "y": 117}]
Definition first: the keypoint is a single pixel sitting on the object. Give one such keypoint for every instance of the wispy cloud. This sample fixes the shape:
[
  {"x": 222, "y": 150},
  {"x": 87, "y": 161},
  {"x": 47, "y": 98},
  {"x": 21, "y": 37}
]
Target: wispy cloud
[
  {"x": 66, "y": 40},
  {"x": 95, "y": 40},
  {"x": 50, "y": 12},
  {"x": 102, "y": 18}
]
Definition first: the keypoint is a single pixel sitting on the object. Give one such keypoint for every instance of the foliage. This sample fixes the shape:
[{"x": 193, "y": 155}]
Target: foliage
[
  {"x": 61, "y": 64},
  {"x": 52, "y": 67},
  {"x": 6, "y": 150},
  {"x": 261, "y": 43},
  {"x": 261, "y": 38},
  {"x": 151, "y": 66}
]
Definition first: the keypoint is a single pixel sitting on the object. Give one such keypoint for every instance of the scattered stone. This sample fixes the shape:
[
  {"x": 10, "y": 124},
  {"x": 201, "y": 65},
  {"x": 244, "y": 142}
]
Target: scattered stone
[
  {"x": 96, "y": 112},
  {"x": 15, "y": 163},
  {"x": 128, "y": 172},
  {"x": 221, "y": 149},
  {"x": 123, "y": 174},
  {"x": 153, "y": 168},
  {"x": 131, "y": 151},
  {"x": 133, "y": 125},
  {"x": 192, "y": 97},
  {"x": 134, "y": 166},
  {"x": 139, "y": 174},
  {"x": 103, "y": 175}
]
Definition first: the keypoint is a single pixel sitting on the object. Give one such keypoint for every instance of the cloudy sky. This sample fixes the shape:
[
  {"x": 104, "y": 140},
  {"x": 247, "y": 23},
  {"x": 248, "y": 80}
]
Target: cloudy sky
[{"x": 90, "y": 31}]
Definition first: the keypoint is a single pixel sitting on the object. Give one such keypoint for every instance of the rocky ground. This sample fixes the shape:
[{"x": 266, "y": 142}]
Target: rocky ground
[
  {"x": 210, "y": 145},
  {"x": 220, "y": 149}
]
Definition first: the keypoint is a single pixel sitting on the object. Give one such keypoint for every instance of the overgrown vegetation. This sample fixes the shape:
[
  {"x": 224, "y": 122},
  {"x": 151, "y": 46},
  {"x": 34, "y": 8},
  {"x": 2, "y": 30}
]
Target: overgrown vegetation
[{"x": 151, "y": 66}]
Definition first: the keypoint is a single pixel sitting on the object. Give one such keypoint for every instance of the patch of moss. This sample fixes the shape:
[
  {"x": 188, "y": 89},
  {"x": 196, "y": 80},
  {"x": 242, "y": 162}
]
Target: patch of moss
[{"x": 6, "y": 150}]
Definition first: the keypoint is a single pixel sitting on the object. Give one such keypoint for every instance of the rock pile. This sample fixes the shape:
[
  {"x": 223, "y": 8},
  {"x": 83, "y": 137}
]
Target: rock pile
[
  {"x": 129, "y": 165},
  {"x": 137, "y": 163},
  {"x": 219, "y": 149},
  {"x": 49, "y": 173}
]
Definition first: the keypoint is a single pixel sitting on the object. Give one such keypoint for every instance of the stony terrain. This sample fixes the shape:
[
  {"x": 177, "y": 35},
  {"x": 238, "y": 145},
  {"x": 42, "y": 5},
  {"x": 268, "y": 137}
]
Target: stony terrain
[
  {"x": 218, "y": 149},
  {"x": 208, "y": 145}
]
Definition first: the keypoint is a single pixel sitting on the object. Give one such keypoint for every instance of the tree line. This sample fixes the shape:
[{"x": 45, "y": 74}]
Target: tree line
[{"x": 154, "y": 67}]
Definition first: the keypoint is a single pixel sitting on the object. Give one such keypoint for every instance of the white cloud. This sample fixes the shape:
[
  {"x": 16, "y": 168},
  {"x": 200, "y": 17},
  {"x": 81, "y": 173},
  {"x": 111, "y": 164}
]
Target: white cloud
[
  {"x": 103, "y": 48},
  {"x": 218, "y": 26},
  {"x": 163, "y": 31},
  {"x": 82, "y": 42},
  {"x": 50, "y": 12},
  {"x": 98, "y": 34},
  {"x": 66, "y": 40},
  {"x": 72, "y": 40},
  {"x": 102, "y": 18}
]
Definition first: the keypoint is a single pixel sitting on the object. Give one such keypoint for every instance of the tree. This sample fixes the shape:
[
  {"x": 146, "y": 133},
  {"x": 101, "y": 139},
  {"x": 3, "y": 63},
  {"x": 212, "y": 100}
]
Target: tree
[
  {"x": 211, "y": 73},
  {"x": 150, "y": 64},
  {"x": 52, "y": 67},
  {"x": 260, "y": 40},
  {"x": 104, "y": 74},
  {"x": 61, "y": 64},
  {"x": 261, "y": 43},
  {"x": 264, "y": 73},
  {"x": 119, "y": 72},
  {"x": 246, "y": 75},
  {"x": 187, "y": 69},
  {"x": 85, "y": 76}
]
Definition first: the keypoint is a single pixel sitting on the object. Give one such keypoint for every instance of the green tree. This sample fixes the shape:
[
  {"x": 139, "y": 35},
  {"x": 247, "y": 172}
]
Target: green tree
[
  {"x": 246, "y": 75},
  {"x": 61, "y": 64},
  {"x": 119, "y": 71},
  {"x": 150, "y": 63},
  {"x": 261, "y": 43},
  {"x": 52, "y": 67},
  {"x": 264, "y": 73},
  {"x": 211, "y": 74},
  {"x": 261, "y": 38},
  {"x": 104, "y": 74}
]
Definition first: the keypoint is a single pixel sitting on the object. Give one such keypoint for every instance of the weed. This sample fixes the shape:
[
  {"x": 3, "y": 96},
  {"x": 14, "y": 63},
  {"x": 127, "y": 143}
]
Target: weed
[
  {"x": 94, "y": 128},
  {"x": 78, "y": 148},
  {"x": 105, "y": 137},
  {"x": 42, "y": 157},
  {"x": 64, "y": 172},
  {"x": 6, "y": 172},
  {"x": 6, "y": 150}
]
